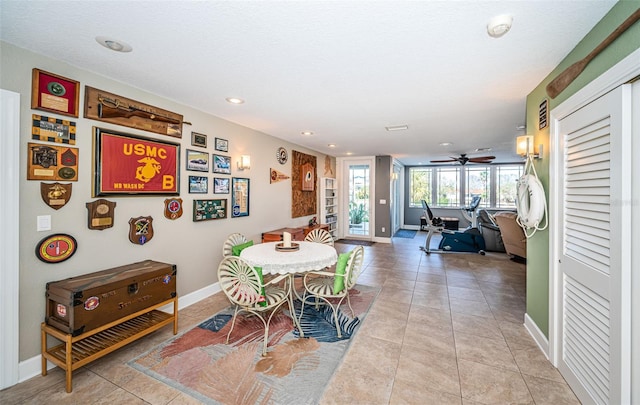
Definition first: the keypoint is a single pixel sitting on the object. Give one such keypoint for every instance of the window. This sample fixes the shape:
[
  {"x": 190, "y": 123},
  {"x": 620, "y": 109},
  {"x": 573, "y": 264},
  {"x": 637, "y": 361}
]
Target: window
[
  {"x": 420, "y": 185},
  {"x": 507, "y": 191},
  {"x": 448, "y": 186},
  {"x": 478, "y": 184},
  {"x": 455, "y": 186}
]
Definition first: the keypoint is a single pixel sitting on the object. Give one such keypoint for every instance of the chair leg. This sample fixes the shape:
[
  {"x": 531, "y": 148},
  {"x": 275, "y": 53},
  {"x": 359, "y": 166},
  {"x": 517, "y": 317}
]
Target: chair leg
[
  {"x": 233, "y": 322},
  {"x": 335, "y": 318},
  {"x": 353, "y": 314}
]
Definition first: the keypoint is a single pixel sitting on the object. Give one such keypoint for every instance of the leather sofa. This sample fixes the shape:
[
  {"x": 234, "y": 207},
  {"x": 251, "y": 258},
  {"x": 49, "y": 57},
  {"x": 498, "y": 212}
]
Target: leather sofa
[{"x": 515, "y": 242}]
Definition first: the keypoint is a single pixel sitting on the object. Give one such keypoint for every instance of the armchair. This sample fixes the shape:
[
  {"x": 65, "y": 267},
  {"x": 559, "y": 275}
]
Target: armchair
[{"x": 515, "y": 241}]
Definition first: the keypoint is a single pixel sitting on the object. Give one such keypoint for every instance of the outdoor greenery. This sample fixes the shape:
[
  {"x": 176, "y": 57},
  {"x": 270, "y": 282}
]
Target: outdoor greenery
[{"x": 358, "y": 213}]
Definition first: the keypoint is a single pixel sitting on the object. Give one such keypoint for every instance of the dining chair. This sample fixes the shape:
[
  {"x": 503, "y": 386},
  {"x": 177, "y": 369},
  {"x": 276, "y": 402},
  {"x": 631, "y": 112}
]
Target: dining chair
[
  {"x": 232, "y": 240},
  {"x": 333, "y": 288},
  {"x": 320, "y": 236},
  {"x": 244, "y": 287}
]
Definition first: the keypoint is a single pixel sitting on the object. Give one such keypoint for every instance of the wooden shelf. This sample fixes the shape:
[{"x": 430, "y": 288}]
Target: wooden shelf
[{"x": 78, "y": 351}]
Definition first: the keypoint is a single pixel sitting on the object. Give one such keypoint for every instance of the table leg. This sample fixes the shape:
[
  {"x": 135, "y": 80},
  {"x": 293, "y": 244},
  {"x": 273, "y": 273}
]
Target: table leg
[{"x": 292, "y": 310}]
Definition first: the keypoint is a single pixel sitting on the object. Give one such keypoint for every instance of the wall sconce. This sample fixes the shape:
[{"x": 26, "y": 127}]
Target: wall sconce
[
  {"x": 524, "y": 147},
  {"x": 244, "y": 163}
]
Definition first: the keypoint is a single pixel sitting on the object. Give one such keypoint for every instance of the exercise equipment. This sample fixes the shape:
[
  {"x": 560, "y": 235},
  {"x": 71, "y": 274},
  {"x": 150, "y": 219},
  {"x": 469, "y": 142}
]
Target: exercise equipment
[
  {"x": 467, "y": 241},
  {"x": 470, "y": 212}
]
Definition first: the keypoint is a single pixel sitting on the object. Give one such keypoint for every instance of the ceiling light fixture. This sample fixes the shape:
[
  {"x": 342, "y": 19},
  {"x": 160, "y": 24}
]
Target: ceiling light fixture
[
  {"x": 114, "y": 44},
  {"x": 234, "y": 100},
  {"x": 445, "y": 144},
  {"x": 499, "y": 25},
  {"x": 332, "y": 145},
  {"x": 307, "y": 133},
  {"x": 397, "y": 128},
  {"x": 483, "y": 149}
]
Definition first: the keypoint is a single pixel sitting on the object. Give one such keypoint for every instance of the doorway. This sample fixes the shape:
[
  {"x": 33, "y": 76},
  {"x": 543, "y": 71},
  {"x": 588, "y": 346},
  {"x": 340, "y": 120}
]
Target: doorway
[{"x": 357, "y": 220}]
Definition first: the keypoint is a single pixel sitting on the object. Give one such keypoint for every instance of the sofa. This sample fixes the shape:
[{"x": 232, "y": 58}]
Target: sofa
[{"x": 513, "y": 237}]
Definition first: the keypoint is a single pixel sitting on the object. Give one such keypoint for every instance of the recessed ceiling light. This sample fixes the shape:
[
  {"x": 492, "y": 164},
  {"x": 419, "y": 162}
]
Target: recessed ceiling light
[
  {"x": 349, "y": 153},
  {"x": 234, "y": 100},
  {"x": 332, "y": 145},
  {"x": 307, "y": 133},
  {"x": 445, "y": 144},
  {"x": 397, "y": 128},
  {"x": 114, "y": 44},
  {"x": 499, "y": 25}
]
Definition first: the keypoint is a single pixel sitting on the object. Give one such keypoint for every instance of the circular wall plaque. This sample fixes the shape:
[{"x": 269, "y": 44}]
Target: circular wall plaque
[
  {"x": 282, "y": 155},
  {"x": 56, "y": 248}
]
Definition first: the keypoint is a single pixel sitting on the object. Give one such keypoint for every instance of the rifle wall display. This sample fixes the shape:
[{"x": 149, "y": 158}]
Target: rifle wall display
[{"x": 108, "y": 107}]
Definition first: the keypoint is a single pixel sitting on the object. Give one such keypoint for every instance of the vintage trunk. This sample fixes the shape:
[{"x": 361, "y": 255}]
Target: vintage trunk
[{"x": 79, "y": 304}]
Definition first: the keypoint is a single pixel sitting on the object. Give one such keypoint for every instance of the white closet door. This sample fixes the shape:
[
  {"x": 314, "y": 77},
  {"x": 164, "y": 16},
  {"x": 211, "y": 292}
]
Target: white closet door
[{"x": 594, "y": 246}]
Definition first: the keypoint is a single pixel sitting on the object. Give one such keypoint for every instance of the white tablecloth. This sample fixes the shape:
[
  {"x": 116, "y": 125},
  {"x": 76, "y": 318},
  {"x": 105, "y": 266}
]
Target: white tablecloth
[{"x": 310, "y": 256}]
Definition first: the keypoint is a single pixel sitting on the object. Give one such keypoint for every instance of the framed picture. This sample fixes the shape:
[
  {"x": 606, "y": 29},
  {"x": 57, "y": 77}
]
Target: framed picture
[
  {"x": 125, "y": 164},
  {"x": 204, "y": 210},
  {"x": 220, "y": 185},
  {"x": 52, "y": 162},
  {"x": 222, "y": 164},
  {"x": 50, "y": 92},
  {"x": 197, "y": 161},
  {"x": 198, "y": 139},
  {"x": 222, "y": 145},
  {"x": 240, "y": 197},
  {"x": 198, "y": 184},
  {"x": 55, "y": 130}
]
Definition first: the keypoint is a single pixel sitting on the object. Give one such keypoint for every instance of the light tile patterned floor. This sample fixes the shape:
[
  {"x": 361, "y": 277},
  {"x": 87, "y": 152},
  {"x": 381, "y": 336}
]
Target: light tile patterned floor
[{"x": 445, "y": 329}]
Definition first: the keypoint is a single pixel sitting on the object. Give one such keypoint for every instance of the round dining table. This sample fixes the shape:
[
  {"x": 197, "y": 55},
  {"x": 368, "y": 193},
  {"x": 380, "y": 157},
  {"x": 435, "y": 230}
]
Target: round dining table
[{"x": 310, "y": 256}]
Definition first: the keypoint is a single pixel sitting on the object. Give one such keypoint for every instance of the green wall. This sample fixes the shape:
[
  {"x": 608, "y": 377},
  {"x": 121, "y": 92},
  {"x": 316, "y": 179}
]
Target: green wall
[{"x": 538, "y": 245}]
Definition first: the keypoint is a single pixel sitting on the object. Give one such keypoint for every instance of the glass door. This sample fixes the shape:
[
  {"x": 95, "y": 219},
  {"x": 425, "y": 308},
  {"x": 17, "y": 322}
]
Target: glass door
[{"x": 358, "y": 196}]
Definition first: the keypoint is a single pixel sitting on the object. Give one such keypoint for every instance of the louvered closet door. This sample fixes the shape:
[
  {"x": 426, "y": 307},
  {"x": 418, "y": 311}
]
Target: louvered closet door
[{"x": 594, "y": 243}]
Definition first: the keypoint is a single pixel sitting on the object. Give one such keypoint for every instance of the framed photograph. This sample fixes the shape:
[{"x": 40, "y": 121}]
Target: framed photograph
[
  {"x": 239, "y": 197},
  {"x": 222, "y": 145},
  {"x": 222, "y": 164},
  {"x": 197, "y": 161},
  {"x": 50, "y": 92},
  {"x": 55, "y": 130},
  {"x": 220, "y": 185},
  {"x": 198, "y": 139},
  {"x": 198, "y": 184},
  {"x": 125, "y": 164},
  {"x": 204, "y": 210}
]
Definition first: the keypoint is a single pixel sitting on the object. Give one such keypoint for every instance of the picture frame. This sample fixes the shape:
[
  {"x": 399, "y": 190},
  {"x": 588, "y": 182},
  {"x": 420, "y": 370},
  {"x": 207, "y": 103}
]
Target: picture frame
[
  {"x": 197, "y": 161},
  {"x": 125, "y": 164},
  {"x": 198, "y": 184},
  {"x": 205, "y": 210},
  {"x": 220, "y": 185},
  {"x": 222, "y": 145},
  {"x": 49, "y": 129},
  {"x": 198, "y": 139},
  {"x": 222, "y": 164},
  {"x": 239, "y": 197},
  {"x": 52, "y": 162},
  {"x": 54, "y": 93}
]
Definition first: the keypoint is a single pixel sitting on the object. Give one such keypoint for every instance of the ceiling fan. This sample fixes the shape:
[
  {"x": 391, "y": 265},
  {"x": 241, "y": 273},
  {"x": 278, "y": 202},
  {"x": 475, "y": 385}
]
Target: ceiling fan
[{"x": 463, "y": 159}]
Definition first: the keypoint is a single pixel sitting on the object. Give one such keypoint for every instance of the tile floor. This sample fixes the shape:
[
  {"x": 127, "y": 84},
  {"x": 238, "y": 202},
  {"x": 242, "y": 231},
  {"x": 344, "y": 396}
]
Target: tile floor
[{"x": 445, "y": 329}]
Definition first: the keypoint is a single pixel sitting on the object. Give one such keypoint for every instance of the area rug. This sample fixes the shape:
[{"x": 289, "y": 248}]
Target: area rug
[
  {"x": 295, "y": 371},
  {"x": 355, "y": 242},
  {"x": 405, "y": 233}
]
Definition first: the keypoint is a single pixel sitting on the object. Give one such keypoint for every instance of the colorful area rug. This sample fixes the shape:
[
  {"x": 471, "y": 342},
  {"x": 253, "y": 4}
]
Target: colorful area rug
[
  {"x": 405, "y": 233},
  {"x": 295, "y": 371},
  {"x": 355, "y": 242}
]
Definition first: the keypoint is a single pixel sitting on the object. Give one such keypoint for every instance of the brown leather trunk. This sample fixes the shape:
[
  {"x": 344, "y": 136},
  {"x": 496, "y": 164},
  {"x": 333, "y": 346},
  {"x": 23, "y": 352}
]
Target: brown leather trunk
[{"x": 79, "y": 304}]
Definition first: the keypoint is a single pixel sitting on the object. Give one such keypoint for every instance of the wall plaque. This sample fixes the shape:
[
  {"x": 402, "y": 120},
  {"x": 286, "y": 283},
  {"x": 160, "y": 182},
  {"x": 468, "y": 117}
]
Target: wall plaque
[
  {"x": 52, "y": 162},
  {"x": 140, "y": 230},
  {"x": 101, "y": 214},
  {"x": 55, "y": 195}
]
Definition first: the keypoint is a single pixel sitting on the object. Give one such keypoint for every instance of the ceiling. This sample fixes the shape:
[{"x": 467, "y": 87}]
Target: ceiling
[{"x": 342, "y": 69}]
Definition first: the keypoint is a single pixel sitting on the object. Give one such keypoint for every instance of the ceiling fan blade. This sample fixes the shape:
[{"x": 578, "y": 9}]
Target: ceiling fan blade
[
  {"x": 444, "y": 161},
  {"x": 481, "y": 158}
]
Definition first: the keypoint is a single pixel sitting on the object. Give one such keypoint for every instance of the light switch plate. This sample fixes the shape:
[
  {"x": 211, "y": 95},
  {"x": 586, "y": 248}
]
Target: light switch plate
[
  {"x": 44, "y": 223},
  {"x": 383, "y": 201}
]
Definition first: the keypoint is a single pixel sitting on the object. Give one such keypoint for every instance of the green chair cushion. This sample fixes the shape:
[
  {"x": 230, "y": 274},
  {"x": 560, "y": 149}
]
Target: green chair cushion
[
  {"x": 341, "y": 269},
  {"x": 237, "y": 249},
  {"x": 263, "y": 297}
]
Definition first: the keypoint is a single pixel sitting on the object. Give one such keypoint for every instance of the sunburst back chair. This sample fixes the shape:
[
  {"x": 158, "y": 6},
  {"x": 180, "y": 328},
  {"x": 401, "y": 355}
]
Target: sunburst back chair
[
  {"x": 328, "y": 286},
  {"x": 232, "y": 240},
  {"x": 320, "y": 236},
  {"x": 245, "y": 288}
]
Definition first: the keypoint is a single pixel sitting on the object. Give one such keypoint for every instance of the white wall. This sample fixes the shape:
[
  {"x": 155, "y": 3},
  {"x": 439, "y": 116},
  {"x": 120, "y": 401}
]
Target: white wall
[{"x": 195, "y": 247}]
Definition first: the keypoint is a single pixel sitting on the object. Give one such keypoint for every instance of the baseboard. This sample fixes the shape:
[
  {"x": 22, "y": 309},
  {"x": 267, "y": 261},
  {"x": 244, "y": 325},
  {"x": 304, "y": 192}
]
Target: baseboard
[
  {"x": 537, "y": 335},
  {"x": 381, "y": 240},
  {"x": 32, "y": 367}
]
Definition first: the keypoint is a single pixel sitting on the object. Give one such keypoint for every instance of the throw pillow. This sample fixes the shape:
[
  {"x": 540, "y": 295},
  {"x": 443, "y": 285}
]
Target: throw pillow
[
  {"x": 237, "y": 249},
  {"x": 341, "y": 269}
]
